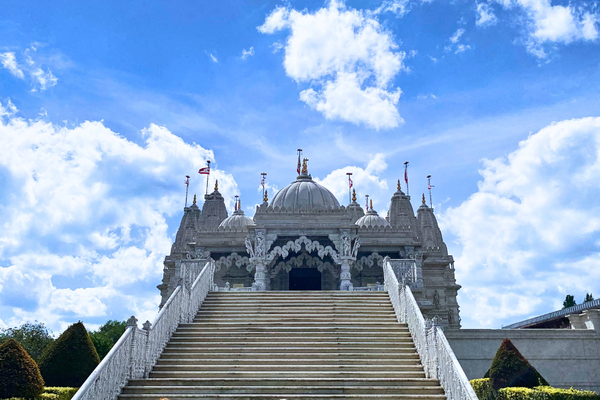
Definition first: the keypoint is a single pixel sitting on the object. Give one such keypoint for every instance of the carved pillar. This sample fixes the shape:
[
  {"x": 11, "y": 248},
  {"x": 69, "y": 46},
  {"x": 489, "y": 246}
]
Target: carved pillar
[
  {"x": 260, "y": 277},
  {"x": 345, "y": 275}
]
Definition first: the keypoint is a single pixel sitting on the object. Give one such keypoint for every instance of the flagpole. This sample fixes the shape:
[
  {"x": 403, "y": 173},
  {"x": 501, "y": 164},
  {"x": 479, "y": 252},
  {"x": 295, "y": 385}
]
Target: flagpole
[
  {"x": 207, "y": 176},
  {"x": 299, "y": 155},
  {"x": 262, "y": 182},
  {"x": 349, "y": 187},
  {"x": 187, "y": 186},
  {"x": 406, "y": 177},
  {"x": 429, "y": 187},
  {"x": 367, "y": 197}
]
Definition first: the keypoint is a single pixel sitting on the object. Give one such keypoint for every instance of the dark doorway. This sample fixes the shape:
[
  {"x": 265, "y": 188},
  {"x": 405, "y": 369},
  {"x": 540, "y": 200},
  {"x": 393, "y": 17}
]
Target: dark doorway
[{"x": 305, "y": 279}]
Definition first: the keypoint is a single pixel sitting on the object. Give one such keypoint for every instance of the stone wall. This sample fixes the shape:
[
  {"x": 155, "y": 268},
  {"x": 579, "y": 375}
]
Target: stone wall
[{"x": 565, "y": 357}]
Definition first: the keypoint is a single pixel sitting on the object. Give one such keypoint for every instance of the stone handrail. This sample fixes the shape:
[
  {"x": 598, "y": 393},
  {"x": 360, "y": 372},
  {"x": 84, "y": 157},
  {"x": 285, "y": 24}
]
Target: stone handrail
[
  {"x": 437, "y": 357},
  {"x": 136, "y": 352},
  {"x": 576, "y": 309}
]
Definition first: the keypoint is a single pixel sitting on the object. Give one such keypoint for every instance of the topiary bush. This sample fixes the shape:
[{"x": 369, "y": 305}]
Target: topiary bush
[
  {"x": 483, "y": 389},
  {"x": 62, "y": 393},
  {"x": 19, "y": 374},
  {"x": 568, "y": 394},
  {"x": 520, "y": 393},
  {"x": 70, "y": 359},
  {"x": 511, "y": 369}
]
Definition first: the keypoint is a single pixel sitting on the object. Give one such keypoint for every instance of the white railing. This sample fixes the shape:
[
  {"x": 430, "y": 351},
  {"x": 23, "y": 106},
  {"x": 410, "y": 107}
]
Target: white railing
[
  {"x": 437, "y": 357},
  {"x": 136, "y": 352}
]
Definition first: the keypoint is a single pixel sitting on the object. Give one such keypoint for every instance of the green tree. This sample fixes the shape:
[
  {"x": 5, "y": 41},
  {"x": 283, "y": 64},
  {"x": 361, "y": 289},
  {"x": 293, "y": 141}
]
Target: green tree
[
  {"x": 34, "y": 337},
  {"x": 70, "y": 359},
  {"x": 107, "y": 335},
  {"x": 588, "y": 297},
  {"x": 569, "y": 301},
  {"x": 19, "y": 374}
]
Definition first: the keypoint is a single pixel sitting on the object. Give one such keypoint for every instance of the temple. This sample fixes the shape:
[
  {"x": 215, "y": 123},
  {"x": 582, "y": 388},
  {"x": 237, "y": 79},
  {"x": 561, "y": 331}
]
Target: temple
[{"x": 303, "y": 239}]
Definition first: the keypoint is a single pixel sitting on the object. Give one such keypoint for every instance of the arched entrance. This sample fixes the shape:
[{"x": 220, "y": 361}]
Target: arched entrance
[{"x": 305, "y": 279}]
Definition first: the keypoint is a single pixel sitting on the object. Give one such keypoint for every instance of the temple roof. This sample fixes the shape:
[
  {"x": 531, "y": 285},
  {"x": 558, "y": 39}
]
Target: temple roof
[{"x": 304, "y": 193}]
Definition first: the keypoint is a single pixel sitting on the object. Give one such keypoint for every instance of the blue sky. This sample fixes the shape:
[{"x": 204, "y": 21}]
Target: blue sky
[{"x": 107, "y": 106}]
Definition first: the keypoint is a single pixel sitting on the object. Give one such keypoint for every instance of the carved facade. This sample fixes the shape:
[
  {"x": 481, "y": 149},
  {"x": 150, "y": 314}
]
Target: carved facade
[{"x": 305, "y": 240}]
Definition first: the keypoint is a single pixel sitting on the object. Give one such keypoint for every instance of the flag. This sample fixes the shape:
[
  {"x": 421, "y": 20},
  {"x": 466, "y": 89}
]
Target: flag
[
  {"x": 187, "y": 181},
  {"x": 204, "y": 171},
  {"x": 299, "y": 165},
  {"x": 262, "y": 182},
  {"x": 350, "y": 180},
  {"x": 406, "y": 174}
]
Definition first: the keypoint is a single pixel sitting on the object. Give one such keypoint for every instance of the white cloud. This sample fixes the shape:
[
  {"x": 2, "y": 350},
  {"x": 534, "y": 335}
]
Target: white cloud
[
  {"x": 339, "y": 50},
  {"x": 83, "y": 217},
  {"x": 247, "y": 53},
  {"x": 547, "y": 23},
  {"x": 9, "y": 61},
  {"x": 461, "y": 48},
  {"x": 40, "y": 79},
  {"x": 398, "y": 7},
  {"x": 459, "y": 32},
  {"x": 212, "y": 58},
  {"x": 535, "y": 207},
  {"x": 366, "y": 181},
  {"x": 485, "y": 15}
]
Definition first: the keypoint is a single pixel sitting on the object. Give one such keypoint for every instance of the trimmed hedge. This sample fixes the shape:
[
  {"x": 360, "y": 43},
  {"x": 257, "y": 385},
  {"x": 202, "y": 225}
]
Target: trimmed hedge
[
  {"x": 53, "y": 393},
  {"x": 511, "y": 369},
  {"x": 70, "y": 359},
  {"x": 19, "y": 374},
  {"x": 485, "y": 391}
]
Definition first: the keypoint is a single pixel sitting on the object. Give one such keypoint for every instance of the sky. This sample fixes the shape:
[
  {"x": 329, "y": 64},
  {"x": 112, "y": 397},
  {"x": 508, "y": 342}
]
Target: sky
[{"x": 106, "y": 106}]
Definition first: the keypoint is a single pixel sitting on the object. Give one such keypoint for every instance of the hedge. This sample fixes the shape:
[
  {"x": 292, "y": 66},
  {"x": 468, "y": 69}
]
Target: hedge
[
  {"x": 53, "y": 393},
  {"x": 70, "y": 359},
  {"x": 19, "y": 374},
  {"x": 511, "y": 369},
  {"x": 484, "y": 390}
]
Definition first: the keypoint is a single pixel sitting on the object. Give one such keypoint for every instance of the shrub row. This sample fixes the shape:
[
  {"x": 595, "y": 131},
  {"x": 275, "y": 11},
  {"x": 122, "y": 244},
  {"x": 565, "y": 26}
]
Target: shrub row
[
  {"x": 485, "y": 391},
  {"x": 53, "y": 393}
]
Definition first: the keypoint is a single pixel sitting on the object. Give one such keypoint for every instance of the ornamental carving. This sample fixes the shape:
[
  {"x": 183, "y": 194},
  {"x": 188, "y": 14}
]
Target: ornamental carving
[
  {"x": 233, "y": 259},
  {"x": 256, "y": 246},
  {"x": 309, "y": 246},
  {"x": 304, "y": 259}
]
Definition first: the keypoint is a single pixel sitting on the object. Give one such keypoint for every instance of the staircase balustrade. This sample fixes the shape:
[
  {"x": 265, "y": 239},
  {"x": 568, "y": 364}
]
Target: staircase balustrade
[
  {"x": 435, "y": 352},
  {"x": 136, "y": 352}
]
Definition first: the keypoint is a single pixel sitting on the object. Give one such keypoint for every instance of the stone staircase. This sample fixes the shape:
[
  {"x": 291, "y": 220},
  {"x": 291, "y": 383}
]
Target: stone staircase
[{"x": 289, "y": 345}]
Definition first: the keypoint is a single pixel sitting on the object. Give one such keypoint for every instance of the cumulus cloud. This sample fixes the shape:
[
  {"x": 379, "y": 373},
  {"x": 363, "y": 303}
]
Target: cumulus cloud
[
  {"x": 247, "y": 53},
  {"x": 84, "y": 215},
  {"x": 456, "y": 36},
  {"x": 548, "y": 24},
  {"x": 366, "y": 181},
  {"x": 485, "y": 15},
  {"x": 347, "y": 57},
  {"x": 535, "y": 207},
  {"x": 40, "y": 79}
]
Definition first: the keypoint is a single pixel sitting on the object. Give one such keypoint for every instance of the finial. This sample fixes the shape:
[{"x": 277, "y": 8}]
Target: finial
[
  {"x": 354, "y": 195},
  {"x": 399, "y": 188},
  {"x": 235, "y": 206},
  {"x": 216, "y": 185},
  {"x": 239, "y": 204},
  {"x": 424, "y": 198},
  {"x": 304, "y": 166},
  {"x": 194, "y": 199},
  {"x": 266, "y": 198},
  {"x": 371, "y": 204}
]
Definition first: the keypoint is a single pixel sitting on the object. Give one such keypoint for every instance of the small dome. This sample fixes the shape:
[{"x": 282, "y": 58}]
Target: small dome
[
  {"x": 236, "y": 222},
  {"x": 372, "y": 220},
  {"x": 304, "y": 193}
]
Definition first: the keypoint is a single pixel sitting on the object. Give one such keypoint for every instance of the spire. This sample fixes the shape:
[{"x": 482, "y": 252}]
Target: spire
[
  {"x": 305, "y": 166},
  {"x": 371, "y": 204},
  {"x": 194, "y": 199},
  {"x": 425, "y": 204},
  {"x": 216, "y": 185},
  {"x": 398, "y": 186},
  {"x": 354, "y": 195},
  {"x": 266, "y": 198},
  {"x": 429, "y": 231}
]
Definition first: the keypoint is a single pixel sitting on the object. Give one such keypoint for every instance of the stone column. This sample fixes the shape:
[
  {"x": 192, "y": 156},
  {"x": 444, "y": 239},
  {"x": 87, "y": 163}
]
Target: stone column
[
  {"x": 593, "y": 318},
  {"x": 260, "y": 277},
  {"x": 345, "y": 275}
]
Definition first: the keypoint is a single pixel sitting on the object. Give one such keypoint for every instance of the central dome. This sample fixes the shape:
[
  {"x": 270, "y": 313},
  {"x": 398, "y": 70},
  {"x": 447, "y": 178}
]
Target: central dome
[{"x": 304, "y": 193}]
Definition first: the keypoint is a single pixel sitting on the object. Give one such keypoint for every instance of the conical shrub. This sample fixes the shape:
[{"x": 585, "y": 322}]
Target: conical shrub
[
  {"x": 70, "y": 359},
  {"x": 19, "y": 374},
  {"x": 511, "y": 369}
]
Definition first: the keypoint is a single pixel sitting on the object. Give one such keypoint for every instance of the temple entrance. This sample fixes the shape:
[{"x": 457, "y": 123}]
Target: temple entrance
[{"x": 305, "y": 279}]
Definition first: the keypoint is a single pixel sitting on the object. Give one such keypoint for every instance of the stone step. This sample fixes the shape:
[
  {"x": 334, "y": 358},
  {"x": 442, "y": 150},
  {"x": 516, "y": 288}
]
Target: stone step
[
  {"x": 281, "y": 396},
  {"x": 168, "y": 391},
  {"x": 249, "y": 337},
  {"x": 299, "y": 293},
  {"x": 213, "y": 362},
  {"x": 287, "y": 348},
  {"x": 294, "y": 311},
  {"x": 281, "y": 374},
  {"x": 198, "y": 354},
  {"x": 289, "y": 367},
  {"x": 285, "y": 381},
  {"x": 299, "y": 322},
  {"x": 256, "y": 341},
  {"x": 279, "y": 330}
]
